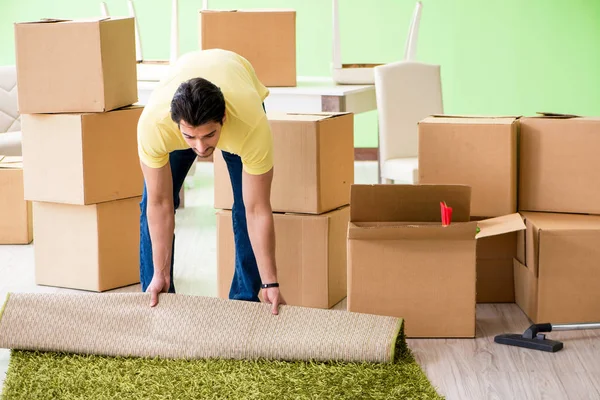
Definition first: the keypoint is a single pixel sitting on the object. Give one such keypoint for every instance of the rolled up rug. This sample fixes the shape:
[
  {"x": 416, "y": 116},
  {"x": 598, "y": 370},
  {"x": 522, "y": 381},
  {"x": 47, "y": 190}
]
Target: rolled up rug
[
  {"x": 192, "y": 327},
  {"x": 107, "y": 346}
]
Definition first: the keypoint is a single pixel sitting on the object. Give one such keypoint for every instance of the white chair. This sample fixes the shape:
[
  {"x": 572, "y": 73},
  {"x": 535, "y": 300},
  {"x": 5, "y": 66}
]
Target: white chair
[
  {"x": 10, "y": 120},
  {"x": 406, "y": 93}
]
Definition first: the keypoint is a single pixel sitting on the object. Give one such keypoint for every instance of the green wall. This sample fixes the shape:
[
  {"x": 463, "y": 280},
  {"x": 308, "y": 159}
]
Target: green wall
[{"x": 497, "y": 56}]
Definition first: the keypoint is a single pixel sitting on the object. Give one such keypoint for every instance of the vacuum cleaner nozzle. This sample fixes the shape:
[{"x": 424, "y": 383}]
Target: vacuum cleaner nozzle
[
  {"x": 538, "y": 343},
  {"x": 532, "y": 339}
]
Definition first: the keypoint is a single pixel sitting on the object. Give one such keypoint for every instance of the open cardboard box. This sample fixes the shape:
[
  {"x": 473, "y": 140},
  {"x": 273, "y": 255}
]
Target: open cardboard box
[{"x": 402, "y": 262}]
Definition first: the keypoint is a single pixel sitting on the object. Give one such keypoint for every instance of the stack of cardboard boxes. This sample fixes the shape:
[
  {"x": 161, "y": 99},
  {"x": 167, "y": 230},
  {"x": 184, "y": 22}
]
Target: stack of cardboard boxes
[
  {"x": 481, "y": 153},
  {"x": 403, "y": 262},
  {"x": 314, "y": 169},
  {"x": 557, "y": 268},
  {"x": 77, "y": 83},
  {"x": 550, "y": 269}
]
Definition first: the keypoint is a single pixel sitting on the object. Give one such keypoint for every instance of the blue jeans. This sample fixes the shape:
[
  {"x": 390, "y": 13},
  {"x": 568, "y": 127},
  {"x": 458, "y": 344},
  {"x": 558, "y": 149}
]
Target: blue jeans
[{"x": 246, "y": 280}]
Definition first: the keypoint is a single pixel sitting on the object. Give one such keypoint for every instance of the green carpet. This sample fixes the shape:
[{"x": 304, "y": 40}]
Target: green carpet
[{"x": 47, "y": 375}]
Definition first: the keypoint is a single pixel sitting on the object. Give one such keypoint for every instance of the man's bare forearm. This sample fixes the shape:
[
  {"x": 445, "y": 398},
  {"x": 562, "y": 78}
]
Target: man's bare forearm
[
  {"x": 161, "y": 224},
  {"x": 262, "y": 236}
]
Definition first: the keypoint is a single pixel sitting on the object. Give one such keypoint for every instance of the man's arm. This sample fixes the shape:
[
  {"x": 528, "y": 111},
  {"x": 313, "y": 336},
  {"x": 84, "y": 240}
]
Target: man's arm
[
  {"x": 161, "y": 224},
  {"x": 259, "y": 216}
]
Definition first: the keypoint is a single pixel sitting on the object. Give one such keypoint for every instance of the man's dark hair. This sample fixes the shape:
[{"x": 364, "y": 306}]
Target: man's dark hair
[{"x": 197, "y": 102}]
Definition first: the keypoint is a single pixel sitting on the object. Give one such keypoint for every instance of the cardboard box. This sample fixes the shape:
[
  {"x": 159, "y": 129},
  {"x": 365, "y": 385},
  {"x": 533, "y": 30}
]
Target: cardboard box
[
  {"x": 266, "y": 38},
  {"x": 86, "y": 65},
  {"x": 310, "y": 256},
  {"x": 92, "y": 247},
  {"x": 479, "y": 152},
  {"x": 559, "y": 164},
  {"x": 559, "y": 281},
  {"x": 314, "y": 163},
  {"x": 402, "y": 262},
  {"x": 82, "y": 158},
  {"x": 495, "y": 279},
  {"x": 15, "y": 213}
]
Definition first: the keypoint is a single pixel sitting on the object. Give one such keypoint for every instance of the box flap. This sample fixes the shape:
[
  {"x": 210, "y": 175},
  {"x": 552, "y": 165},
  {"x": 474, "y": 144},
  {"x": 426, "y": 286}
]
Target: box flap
[
  {"x": 475, "y": 116},
  {"x": 470, "y": 119},
  {"x": 556, "y": 115},
  {"x": 408, "y": 203},
  {"x": 43, "y": 21},
  {"x": 78, "y": 20},
  {"x": 500, "y": 225},
  {"x": 303, "y": 117},
  {"x": 411, "y": 231},
  {"x": 11, "y": 162},
  {"x": 562, "y": 221},
  {"x": 253, "y": 10},
  {"x": 130, "y": 107}
]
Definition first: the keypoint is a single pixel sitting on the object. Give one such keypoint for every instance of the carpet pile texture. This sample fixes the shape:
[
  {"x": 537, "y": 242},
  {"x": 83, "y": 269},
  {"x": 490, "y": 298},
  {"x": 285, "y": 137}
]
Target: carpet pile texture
[{"x": 114, "y": 346}]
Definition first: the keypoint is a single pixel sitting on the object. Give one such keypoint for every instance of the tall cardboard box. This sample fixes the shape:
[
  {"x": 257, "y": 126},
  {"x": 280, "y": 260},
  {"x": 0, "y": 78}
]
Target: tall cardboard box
[
  {"x": 310, "y": 256},
  {"x": 313, "y": 163},
  {"x": 475, "y": 151},
  {"x": 93, "y": 247},
  {"x": 560, "y": 279},
  {"x": 82, "y": 158},
  {"x": 15, "y": 213},
  {"x": 86, "y": 65},
  {"x": 266, "y": 38},
  {"x": 559, "y": 165},
  {"x": 402, "y": 262}
]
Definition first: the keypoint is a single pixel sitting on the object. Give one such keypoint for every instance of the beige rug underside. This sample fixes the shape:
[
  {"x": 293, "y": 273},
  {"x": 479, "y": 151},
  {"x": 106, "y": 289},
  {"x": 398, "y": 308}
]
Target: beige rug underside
[{"x": 192, "y": 327}]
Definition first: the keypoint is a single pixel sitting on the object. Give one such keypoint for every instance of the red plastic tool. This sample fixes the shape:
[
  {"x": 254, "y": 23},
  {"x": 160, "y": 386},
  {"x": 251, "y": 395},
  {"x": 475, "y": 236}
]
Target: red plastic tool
[{"x": 446, "y": 213}]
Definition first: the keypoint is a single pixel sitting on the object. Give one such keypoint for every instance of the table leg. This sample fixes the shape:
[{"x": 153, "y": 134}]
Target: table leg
[{"x": 333, "y": 103}]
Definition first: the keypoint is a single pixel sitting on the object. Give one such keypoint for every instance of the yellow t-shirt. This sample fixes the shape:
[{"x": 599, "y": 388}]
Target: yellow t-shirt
[{"x": 245, "y": 132}]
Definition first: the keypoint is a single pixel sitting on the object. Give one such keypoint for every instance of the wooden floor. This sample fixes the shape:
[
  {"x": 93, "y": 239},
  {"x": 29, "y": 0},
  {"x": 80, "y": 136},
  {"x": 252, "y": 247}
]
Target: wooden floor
[{"x": 460, "y": 368}]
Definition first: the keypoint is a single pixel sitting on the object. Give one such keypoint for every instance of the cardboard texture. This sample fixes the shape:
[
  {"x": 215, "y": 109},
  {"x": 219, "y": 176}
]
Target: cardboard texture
[
  {"x": 314, "y": 163},
  {"x": 266, "y": 38},
  {"x": 402, "y": 261},
  {"x": 477, "y": 151},
  {"x": 559, "y": 281},
  {"x": 76, "y": 66},
  {"x": 15, "y": 213},
  {"x": 93, "y": 247},
  {"x": 559, "y": 164},
  {"x": 310, "y": 256},
  {"x": 82, "y": 158},
  {"x": 495, "y": 279}
]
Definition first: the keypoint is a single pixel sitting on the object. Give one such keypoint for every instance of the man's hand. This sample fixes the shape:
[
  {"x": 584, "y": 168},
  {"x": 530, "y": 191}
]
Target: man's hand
[
  {"x": 159, "y": 284},
  {"x": 273, "y": 296}
]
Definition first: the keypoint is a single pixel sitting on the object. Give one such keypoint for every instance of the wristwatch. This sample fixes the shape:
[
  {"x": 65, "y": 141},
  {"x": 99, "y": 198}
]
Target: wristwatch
[{"x": 269, "y": 285}]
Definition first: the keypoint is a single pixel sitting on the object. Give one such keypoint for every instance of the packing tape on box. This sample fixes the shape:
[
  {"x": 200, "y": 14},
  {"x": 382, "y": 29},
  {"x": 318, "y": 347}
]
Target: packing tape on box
[{"x": 192, "y": 327}]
